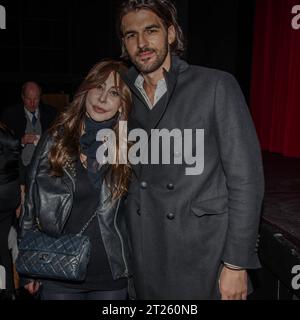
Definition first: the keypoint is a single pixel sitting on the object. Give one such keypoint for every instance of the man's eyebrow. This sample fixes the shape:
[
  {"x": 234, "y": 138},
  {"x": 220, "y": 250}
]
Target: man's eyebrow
[
  {"x": 152, "y": 26},
  {"x": 129, "y": 32}
]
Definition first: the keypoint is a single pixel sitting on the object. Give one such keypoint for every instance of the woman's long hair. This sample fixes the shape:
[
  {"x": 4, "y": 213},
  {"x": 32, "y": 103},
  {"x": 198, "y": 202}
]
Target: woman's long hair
[{"x": 69, "y": 127}]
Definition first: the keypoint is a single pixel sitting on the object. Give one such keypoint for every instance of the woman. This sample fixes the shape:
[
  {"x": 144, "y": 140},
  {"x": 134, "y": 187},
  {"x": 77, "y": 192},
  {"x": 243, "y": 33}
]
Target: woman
[
  {"x": 66, "y": 178},
  {"x": 9, "y": 200}
]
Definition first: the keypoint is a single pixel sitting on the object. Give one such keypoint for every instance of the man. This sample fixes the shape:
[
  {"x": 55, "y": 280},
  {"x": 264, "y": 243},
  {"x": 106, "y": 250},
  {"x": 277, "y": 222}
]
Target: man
[
  {"x": 192, "y": 236},
  {"x": 28, "y": 121}
]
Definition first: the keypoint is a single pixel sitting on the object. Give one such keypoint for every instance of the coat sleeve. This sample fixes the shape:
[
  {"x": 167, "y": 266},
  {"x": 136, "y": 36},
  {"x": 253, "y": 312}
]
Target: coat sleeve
[
  {"x": 241, "y": 160},
  {"x": 27, "y": 220}
]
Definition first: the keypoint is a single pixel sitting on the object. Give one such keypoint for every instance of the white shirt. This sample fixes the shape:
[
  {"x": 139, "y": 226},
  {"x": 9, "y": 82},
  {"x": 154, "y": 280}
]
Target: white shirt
[
  {"x": 30, "y": 115},
  {"x": 161, "y": 89}
]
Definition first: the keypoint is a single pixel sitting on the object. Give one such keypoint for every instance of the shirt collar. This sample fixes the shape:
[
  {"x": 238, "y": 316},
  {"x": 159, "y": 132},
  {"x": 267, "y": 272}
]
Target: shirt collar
[
  {"x": 139, "y": 82},
  {"x": 30, "y": 115}
]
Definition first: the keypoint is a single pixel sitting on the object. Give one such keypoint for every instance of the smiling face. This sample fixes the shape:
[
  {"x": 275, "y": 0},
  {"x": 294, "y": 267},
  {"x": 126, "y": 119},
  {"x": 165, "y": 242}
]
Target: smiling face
[
  {"x": 104, "y": 102},
  {"x": 147, "y": 40}
]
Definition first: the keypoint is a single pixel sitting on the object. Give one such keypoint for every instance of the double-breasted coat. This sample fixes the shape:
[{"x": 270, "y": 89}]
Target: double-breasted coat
[{"x": 182, "y": 227}]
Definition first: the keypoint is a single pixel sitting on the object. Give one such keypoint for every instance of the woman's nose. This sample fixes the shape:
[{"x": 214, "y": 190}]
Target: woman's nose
[{"x": 103, "y": 97}]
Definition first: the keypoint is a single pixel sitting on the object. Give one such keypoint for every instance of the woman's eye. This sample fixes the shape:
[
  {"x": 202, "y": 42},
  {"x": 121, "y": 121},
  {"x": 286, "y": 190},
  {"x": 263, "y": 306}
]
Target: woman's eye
[{"x": 114, "y": 93}]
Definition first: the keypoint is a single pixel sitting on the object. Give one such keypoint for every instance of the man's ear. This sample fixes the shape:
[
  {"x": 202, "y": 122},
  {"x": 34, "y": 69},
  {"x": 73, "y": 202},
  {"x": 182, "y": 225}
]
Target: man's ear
[
  {"x": 171, "y": 34},
  {"x": 124, "y": 51}
]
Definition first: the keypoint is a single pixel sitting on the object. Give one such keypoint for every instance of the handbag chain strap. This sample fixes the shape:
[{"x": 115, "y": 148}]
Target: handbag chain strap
[
  {"x": 80, "y": 232},
  {"x": 87, "y": 224}
]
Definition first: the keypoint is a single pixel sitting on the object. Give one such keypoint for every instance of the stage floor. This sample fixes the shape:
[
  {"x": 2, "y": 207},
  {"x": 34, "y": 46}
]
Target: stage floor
[
  {"x": 279, "y": 248},
  {"x": 281, "y": 206}
]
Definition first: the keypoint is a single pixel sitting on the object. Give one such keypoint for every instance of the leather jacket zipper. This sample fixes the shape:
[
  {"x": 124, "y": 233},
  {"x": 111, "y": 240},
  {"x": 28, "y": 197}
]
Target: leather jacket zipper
[
  {"x": 72, "y": 192},
  {"x": 120, "y": 236},
  {"x": 69, "y": 175}
]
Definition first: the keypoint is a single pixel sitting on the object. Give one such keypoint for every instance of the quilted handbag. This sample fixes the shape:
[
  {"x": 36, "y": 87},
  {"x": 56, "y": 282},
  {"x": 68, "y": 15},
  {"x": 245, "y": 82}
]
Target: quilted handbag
[{"x": 62, "y": 258}]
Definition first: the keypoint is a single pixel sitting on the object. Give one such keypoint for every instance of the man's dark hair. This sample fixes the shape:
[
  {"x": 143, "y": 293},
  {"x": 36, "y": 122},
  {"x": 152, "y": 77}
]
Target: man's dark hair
[{"x": 164, "y": 9}]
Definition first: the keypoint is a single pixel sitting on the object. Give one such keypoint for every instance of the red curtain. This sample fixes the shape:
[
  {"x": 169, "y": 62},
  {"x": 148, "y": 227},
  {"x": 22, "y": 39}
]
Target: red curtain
[{"x": 275, "y": 93}]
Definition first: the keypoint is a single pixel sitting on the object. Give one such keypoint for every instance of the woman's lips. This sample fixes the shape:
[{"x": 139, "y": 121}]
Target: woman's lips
[{"x": 99, "y": 110}]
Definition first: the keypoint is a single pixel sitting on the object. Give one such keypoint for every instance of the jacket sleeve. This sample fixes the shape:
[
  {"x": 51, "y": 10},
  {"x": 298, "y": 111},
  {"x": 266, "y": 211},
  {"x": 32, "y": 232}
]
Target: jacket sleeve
[
  {"x": 241, "y": 160},
  {"x": 27, "y": 220}
]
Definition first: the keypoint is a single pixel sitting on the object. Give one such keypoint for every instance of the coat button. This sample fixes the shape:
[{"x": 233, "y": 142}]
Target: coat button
[
  {"x": 170, "y": 186},
  {"x": 138, "y": 211},
  {"x": 171, "y": 216},
  {"x": 144, "y": 185}
]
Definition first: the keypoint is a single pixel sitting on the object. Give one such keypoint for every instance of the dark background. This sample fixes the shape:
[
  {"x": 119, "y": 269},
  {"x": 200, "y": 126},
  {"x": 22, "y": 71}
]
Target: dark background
[{"x": 56, "y": 42}]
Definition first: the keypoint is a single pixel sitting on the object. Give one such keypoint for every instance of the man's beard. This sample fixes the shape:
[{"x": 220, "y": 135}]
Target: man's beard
[{"x": 158, "y": 62}]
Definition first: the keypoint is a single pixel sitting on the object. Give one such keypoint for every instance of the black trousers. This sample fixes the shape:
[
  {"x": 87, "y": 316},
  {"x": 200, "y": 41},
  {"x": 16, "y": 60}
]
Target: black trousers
[
  {"x": 46, "y": 294},
  {"x": 9, "y": 201}
]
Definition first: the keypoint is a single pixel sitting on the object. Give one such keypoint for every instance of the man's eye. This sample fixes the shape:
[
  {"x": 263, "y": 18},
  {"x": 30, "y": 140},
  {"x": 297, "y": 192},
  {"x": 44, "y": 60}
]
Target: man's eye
[
  {"x": 152, "y": 31},
  {"x": 129, "y": 36}
]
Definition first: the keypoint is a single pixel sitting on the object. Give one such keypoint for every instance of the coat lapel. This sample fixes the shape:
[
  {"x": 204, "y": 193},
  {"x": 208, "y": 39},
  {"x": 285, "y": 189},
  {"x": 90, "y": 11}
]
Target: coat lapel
[{"x": 158, "y": 112}]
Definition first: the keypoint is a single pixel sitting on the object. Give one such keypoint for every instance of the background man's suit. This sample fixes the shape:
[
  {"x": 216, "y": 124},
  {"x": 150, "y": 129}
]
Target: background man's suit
[{"x": 15, "y": 118}]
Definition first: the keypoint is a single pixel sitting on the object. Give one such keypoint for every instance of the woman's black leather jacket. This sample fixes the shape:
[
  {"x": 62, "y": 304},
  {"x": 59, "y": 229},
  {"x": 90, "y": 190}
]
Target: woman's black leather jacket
[{"x": 49, "y": 201}]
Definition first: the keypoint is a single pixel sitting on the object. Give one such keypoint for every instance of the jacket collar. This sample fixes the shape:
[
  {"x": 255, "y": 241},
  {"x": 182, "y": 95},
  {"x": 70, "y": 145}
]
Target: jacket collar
[{"x": 177, "y": 66}]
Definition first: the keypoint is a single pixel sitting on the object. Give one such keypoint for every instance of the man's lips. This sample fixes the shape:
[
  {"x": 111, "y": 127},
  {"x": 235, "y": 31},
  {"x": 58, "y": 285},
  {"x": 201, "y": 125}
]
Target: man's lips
[{"x": 146, "y": 54}]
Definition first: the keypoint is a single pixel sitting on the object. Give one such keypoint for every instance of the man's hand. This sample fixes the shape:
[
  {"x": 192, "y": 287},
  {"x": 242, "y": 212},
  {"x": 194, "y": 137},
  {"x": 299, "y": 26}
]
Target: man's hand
[
  {"x": 233, "y": 284},
  {"x": 29, "y": 138}
]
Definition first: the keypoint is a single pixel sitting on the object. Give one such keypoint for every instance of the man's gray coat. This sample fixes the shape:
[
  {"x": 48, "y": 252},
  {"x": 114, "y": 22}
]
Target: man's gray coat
[{"x": 182, "y": 227}]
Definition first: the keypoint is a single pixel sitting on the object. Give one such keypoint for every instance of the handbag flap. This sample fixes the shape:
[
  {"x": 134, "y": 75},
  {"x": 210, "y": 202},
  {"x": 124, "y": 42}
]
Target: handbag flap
[{"x": 67, "y": 244}]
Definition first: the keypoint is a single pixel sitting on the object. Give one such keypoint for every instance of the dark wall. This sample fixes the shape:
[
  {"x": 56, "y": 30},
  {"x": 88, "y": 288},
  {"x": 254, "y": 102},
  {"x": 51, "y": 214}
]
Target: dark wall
[
  {"x": 220, "y": 36},
  {"x": 56, "y": 42}
]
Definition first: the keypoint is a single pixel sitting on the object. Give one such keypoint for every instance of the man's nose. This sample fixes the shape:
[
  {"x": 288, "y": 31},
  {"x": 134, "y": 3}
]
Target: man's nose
[{"x": 142, "y": 41}]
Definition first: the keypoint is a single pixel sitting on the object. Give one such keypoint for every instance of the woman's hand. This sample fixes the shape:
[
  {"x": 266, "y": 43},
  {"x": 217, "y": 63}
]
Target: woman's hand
[
  {"x": 32, "y": 287},
  {"x": 18, "y": 211}
]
